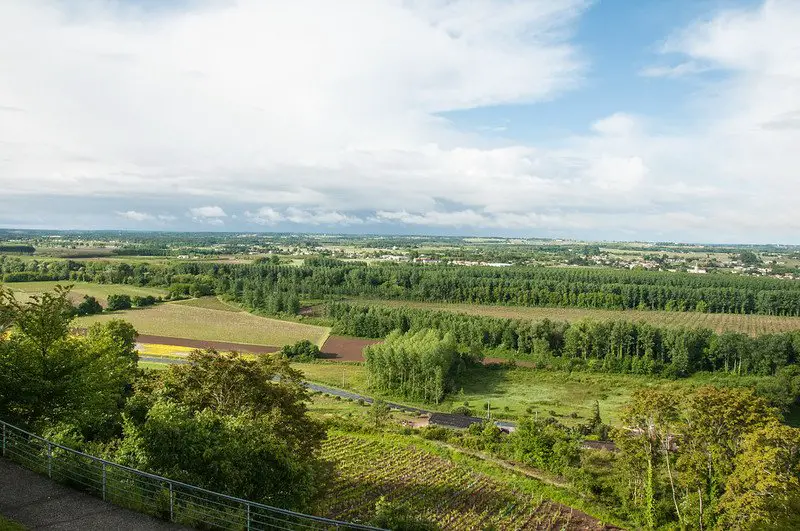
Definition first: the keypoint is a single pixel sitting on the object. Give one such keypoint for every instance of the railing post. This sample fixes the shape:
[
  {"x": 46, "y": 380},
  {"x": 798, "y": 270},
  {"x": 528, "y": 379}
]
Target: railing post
[
  {"x": 49, "y": 460},
  {"x": 104, "y": 481},
  {"x": 248, "y": 517},
  {"x": 4, "y": 439},
  {"x": 171, "y": 504}
]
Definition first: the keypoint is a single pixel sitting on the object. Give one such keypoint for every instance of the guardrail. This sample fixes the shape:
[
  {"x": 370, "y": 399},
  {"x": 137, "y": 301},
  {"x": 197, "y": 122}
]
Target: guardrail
[{"x": 148, "y": 493}]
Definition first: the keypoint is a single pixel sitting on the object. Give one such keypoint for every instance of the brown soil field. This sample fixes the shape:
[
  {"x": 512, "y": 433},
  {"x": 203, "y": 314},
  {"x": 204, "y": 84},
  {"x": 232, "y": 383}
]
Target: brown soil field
[{"x": 340, "y": 348}]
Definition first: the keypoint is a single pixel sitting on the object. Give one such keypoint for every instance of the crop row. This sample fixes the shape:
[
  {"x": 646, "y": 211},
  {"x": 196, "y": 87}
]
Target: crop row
[{"x": 449, "y": 494}]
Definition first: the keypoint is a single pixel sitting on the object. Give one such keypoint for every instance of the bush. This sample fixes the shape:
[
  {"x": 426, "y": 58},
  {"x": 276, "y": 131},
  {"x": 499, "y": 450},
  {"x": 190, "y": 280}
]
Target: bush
[
  {"x": 462, "y": 410},
  {"x": 119, "y": 302},
  {"x": 141, "y": 302},
  {"x": 89, "y": 306},
  {"x": 303, "y": 350}
]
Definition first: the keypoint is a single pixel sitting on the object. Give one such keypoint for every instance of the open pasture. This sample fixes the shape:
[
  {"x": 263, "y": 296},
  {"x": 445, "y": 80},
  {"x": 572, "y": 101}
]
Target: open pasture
[
  {"x": 23, "y": 290},
  {"x": 203, "y": 324},
  {"x": 719, "y": 322},
  {"x": 454, "y": 495}
]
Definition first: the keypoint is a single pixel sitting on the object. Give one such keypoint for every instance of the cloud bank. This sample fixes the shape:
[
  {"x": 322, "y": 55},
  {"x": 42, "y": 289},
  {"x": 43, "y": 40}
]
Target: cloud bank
[{"x": 329, "y": 114}]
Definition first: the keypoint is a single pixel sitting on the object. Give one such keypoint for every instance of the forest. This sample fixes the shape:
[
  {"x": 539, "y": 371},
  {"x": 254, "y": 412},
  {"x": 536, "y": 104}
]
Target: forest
[
  {"x": 608, "y": 346},
  {"x": 322, "y": 278}
]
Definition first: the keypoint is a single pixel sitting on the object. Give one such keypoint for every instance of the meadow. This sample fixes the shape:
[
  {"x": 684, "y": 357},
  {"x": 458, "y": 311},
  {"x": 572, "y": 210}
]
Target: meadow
[
  {"x": 192, "y": 322},
  {"x": 751, "y": 324},
  {"x": 100, "y": 291},
  {"x": 515, "y": 392}
]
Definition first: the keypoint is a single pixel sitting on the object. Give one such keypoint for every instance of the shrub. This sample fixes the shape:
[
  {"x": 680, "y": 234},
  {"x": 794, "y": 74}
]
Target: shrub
[
  {"x": 303, "y": 350},
  {"x": 119, "y": 302}
]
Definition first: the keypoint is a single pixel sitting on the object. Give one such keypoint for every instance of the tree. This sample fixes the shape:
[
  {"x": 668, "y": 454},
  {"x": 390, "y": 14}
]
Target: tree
[
  {"x": 231, "y": 424},
  {"x": 645, "y": 445},
  {"x": 763, "y": 490},
  {"x": 303, "y": 350},
  {"x": 119, "y": 302},
  {"x": 49, "y": 377},
  {"x": 379, "y": 413},
  {"x": 89, "y": 306}
]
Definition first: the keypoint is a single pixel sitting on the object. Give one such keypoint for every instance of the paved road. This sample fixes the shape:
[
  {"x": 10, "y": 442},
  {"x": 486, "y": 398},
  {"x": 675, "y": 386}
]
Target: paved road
[{"x": 36, "y": 502}]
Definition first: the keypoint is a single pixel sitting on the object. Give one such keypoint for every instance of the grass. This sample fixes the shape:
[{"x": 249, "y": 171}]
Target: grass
[
  {"x": 192, "y": 322},
  {"x": 512, "y": 392},
  {"x": 10, "y": 525},
  {"x": 719, "y": 322},
  {"x": 79, "y": 289},
  {"x": 211, "y": 303}
]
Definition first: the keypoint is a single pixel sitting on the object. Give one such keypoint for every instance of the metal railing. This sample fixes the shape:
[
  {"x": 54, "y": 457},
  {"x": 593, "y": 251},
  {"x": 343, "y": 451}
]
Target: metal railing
[{"x": 151, "y": 494}]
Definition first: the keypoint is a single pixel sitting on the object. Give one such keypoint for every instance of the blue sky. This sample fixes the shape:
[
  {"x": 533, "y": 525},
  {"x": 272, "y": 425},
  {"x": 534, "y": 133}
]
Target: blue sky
[{"x": 644, "y": 120}]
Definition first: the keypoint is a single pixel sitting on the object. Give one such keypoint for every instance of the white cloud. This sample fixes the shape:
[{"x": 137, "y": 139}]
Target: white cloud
[
  {"x": 135, "y": 216},
  {"x": 251, "y": 103},
  {"x": 207, "y": 212}
]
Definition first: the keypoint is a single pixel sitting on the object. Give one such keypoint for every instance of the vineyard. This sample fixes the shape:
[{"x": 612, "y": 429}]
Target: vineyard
[
  {"x": 452, "y": 495},
  {"x": 751, "y": 324}
]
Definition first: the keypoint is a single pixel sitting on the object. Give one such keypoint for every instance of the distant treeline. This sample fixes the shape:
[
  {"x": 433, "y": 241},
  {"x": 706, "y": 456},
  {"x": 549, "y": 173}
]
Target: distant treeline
[
  {"x": 610, "y": 346},
  {"x": 254, "y": 284},
  {"x": 16, "y": 248}
]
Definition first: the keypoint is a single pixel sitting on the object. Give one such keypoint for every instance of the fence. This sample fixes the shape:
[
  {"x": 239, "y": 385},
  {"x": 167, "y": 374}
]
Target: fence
[{"x": 155, "y": 495}]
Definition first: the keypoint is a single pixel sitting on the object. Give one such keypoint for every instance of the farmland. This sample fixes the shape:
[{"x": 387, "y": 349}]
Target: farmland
[
  {"x": 454, "y": 495},
  {"x": 191, "y": 322},
  {"x": 79, "y": 289},
  {"x": 719, "y": 322}
]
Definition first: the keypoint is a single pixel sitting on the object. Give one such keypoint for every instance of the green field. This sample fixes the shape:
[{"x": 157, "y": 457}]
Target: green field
[
  {"x": 513, "y": 392},
  {"x": 212, "y": 303},
  {"x": 192, "y": 322},
  {"x": 719, "y": 322},
  {"x": 100, "y": 291}
]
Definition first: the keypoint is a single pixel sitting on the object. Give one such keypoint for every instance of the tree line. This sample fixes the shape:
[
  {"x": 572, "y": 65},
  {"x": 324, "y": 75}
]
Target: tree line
[
  {"x": 611, "y": 346},
  {"x": 254, "y": 283}
]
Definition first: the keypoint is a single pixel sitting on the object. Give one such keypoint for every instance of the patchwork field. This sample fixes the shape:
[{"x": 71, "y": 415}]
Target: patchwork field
[
  {"x": 454, "y": 495},
  {"x": 203, "y": 324},
  {"x": 748, "y": 324},
  {"x": 211, "y": 303},
  {"x": 100, "y": 291}
]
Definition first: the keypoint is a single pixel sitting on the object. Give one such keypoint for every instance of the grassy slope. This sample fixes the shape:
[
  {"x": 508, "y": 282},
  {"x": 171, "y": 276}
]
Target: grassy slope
[
  {"x": 750, "y": 324},
  {"x": 191, "y": 322},
  {"x": 521, "y": 388},
  {"x": 99, "y": 291}
]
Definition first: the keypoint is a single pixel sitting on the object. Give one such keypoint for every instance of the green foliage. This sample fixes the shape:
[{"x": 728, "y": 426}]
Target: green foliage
[
  {"x": 228, "y": 424},
  {"x": 399, "y": 517},
  {"x": 421, "y": 366},
  {"x": 302, "y": 351},
  {"x": 49, "y": 377},
  {"x": 608, "y": 346},
  {"x": 141, "y": 302},
  {"x": 119, "y": 302},
  {"x": 546, "y": 445},
  {"x": 379, "y": 413},
  {"x": 89, "y": 306},
  {"x": 718, "y": 457}
]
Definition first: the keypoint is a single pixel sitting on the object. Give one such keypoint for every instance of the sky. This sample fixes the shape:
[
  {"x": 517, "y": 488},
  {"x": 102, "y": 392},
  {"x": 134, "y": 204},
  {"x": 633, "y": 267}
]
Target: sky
[{"x": 605, "y": 119}]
